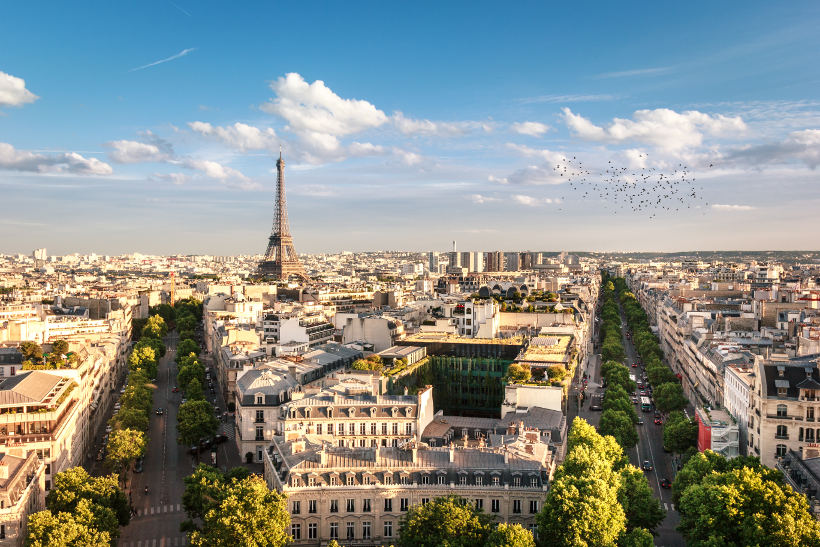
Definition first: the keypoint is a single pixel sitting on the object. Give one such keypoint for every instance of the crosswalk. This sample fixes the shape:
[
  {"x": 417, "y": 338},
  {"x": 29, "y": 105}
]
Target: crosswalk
[
  {"x": 158, "y": 510},
  {"x": 667, "y": 506},
  {"x": 175, "y": 541}
]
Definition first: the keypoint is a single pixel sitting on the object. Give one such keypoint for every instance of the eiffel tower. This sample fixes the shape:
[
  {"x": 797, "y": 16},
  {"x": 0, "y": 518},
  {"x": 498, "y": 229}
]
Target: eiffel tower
[{"x": 281, "y": 261}]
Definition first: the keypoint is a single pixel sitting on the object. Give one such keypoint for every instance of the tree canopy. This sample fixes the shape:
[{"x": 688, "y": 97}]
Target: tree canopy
[
  {"x": 517, "y": 374},
  {"x": 679, "y": 433},
  {"x": 510, "y": 535},
  {"x": 233, "y": 509},
  {"x": 669, "y": 396},
  {"x": 124, "y": 446},
  {"x": 155, "y": 327},
  {"x": 450, "y": 521},
  {"x": 195, "y": 421},
  {"x": 621, "y": 426}
]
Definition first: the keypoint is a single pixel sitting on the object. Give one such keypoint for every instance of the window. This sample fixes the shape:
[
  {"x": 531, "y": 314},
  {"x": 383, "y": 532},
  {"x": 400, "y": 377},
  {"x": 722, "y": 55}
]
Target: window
[
  {"x": 312, "y": 530},
  {"x": 403, "y": 479},
  {"x": 351, "y": 505},
  {"x": 388, "y": 505},
  {"x": 330, "y": 429},
  {"x": 363, "y": 428},
  {"x": 496, "y": 481},
  {"x": 334, "y": 530},
  {"x": 425, "y": 501},
  {"x": 366, "y": 479},
  {"x": 366, "y": 530},
  {"x": 479, "y": 503},
  {"x": 318, "y": 429},
  {"x": 350, "y": 480},
  {"x": 333, "y": 480},
  {"x": 384, "y": 428},
  {"x": 809, "y": 435},
  {"x": 405, "y": 504},
  {"x": 296, "y": 531},
  {"x": 408, "y": 428},
  {"x": 533, "y": 507},
  {"x": 366, "y": 505},
  {"x": 351, "y": 429},
  {"x": 479, "y": 480},
  {"x": 782, "y": 432},
  {"x": 495, "y": 506},
  {"x": 516, "y": 506},
  {"x": 462, "y": 480},
  {"x": 441, "y": 479},
  {"x": 782, "y": 411},
  {"x": 351, "y": 530},
  {"x": 260, "y": 399},
  {"x": 388, "y": 478},
  {"x": 533, "y": 481},
  {"x": 260, "y": 436},
  {"x": 311, "y": 481},
  {"x": 372, "y": 429},
  {"x": 312, "y": 506},
  {"x": 425, "y": 479},
  {"x": 334, "y": 505},
  {"x": 516, "y": 481},
  {"x": 395, "y": 429},
  {"x": 780, "y": 451},
  {"x": 260, "y": 416},
  {"x": 388, "y": 528},
  {"x": 296, "y": 508}
]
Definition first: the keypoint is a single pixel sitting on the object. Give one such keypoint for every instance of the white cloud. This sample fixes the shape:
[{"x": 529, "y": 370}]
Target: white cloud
[
  {"x": 314, "y": 108},
  {"x": 481, "y": 199},
  {"x": 798, "y": 145},
  {"x": 406, "y": 157},
  {"x": 135, "y": 152},
  {"x": 13, "y": 91},
  {"x": 567, "y": 98},
  {"x": 542, "y": 153},
  {"x": 213, "y": 169},
  {"x": 66, "y": 162},
  {"x": 636, "y": 72},
  {"x": 530, "y": 201},
  {"x": 723, "y": 207},
  {"x": 498, "y": 180},
  {"x": 182, "y": 53},
  {"x": 536, "y": 175},
  {"x": 173, "y": 178},
  {"x": 239, "y": 135},
  {"x": 534, "y": 129},
  {"x": 662, "y": 128},
  {"x": 365, "y": 149},
  {"x": 412, "y": 126}
]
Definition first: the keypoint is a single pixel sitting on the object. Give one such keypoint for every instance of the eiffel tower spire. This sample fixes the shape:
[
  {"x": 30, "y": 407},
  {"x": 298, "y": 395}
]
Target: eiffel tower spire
[{"x": 281, "y": 261}]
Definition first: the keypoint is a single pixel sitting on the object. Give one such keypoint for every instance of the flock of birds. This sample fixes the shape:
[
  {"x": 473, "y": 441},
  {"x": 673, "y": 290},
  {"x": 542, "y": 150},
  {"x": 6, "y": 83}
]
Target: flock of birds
[{"x": 640, "y": 190}]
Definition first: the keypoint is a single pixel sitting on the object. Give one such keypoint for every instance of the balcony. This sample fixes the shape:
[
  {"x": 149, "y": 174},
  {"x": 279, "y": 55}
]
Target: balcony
[{"x": 782, "y": 437}]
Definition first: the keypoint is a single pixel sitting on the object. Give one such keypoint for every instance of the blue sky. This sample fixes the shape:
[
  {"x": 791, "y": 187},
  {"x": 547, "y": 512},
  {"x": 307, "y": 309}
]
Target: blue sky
[{"x": 154, "y": 126}]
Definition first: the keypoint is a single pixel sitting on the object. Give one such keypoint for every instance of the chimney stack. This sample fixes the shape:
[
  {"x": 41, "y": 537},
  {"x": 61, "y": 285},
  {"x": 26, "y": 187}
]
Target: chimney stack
[{"x": 452, "y": 453}]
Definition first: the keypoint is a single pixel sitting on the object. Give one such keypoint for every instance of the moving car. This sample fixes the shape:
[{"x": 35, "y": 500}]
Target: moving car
[
  {"x": 219, "y": 438},
  {"x": 640, "y": 421},
  {"x": 646, "y": 465},
  {"x": 658, "y": 421},
  {"x": 175, "y": 389},
  {"x": 666, "y": 483},
  {"x": 159, "y": 411}
]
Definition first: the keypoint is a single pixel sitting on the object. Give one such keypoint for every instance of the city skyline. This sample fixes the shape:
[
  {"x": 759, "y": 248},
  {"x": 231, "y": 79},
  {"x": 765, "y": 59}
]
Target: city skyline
[{"x": 399, "y": 134}]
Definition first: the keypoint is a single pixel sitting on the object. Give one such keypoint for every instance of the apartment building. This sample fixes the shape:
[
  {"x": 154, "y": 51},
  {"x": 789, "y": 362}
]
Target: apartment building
[
  {"x": 22, "y": 492},
  {"x": 358, "y": 496},
  {"x": 738, "y": 381},
  {"x": 786, "y": 408}
]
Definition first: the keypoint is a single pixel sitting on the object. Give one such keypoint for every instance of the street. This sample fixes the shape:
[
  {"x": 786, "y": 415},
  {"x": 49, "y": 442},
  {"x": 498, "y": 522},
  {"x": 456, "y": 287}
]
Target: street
[
  {"x": 159, "y": 512},
  {"x": 650, "y": 439}
]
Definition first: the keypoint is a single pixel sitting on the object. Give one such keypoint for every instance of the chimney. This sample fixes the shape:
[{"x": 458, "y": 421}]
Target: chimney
[
  {"x": 292, "y": 371},
  {"x": 414, "y": 451},
  {"x": 322, "y": 457},
  {"x": 452, "y": 453},
  {"x": 506, "y": 456},
  {"x": 405, "y": 390}
]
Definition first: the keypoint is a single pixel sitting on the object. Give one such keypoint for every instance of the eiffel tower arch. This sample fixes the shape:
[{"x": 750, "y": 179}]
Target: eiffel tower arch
[{"x": 281, "y": 261}]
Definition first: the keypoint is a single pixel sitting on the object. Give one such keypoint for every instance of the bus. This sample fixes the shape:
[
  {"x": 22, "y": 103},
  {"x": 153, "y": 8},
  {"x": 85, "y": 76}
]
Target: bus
[
  {"x": 633, "y": 378},
  {"x": 646, "y": 406}
]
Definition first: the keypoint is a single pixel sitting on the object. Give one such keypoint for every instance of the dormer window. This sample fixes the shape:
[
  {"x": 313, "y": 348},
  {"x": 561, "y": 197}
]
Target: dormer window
[
  {"x": 395, "y": 411},
  {"x": 307, "y": 413},
  {"x": 330, "y": 412},
  {"x": 351, "y": 411},
  {"x": 373, "y": 411},
  {"x": 408, "y": 411},
  {"x": 781, "y": 392},
  {"x": 260, "y": 399}
]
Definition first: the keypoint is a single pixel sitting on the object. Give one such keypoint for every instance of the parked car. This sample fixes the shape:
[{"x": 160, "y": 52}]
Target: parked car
[
  {"x": 634, "y": 365},
  {"x": 640, "y": 421},
  {"x": 595, "y": 406},
  {"x": 138, "y": 465},
  {"x": 646, "y": 465},
  {"x": 194, "y": 450},
  {"x": 205, "y": 443},
  {"x": 217, "y": 410},
  {"x": 658, "y": 421},
  {"x": 160, "y": 411},
  {"x": 219, "y": 438},
  {"x": 175, "y": 389},
  {"x": 666, "y": 483}
]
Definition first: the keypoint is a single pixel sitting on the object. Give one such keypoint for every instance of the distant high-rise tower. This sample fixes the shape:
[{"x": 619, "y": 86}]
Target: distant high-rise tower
[{"x": 281, "y": 261}]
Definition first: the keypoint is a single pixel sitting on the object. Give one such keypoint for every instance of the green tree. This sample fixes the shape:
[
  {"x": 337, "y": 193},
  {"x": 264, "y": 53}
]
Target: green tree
[
  {"x": 743, "y": 507},
  {"x": 510, "y": 535},
  {"x": 166, "y": 311},
  {"x": 123, "y": 447},
  {"x": 365, "y": 364},
  {"x": 679, "y": 433},
  {"x": 606, "y": 447},
  {"x": 145, "y": 359},
  {"x": 238, "y": 512},
  {"x": 155, "y": 327},
  {"x": 78, "y": 528},
  {"x": 450, "y": 521},
  {"x": 190, "y": 372},
  {"x": 702, "y": 464},
  {"x": 185, "y": 348},
  {"x": 195, "y": 421},
  {"x": 669, "y": 397},
  {"x": 642, "y": 508},
  {"x": 621, "y": 426},
  {"x": 194, "y": 390},
  {"x": 130, "y": 418},
  {"x": 31, "y": 352},
  {"x": 154, "y": 343},
  {"x": 107, "y": 501},
  {"x": 59, "y": 347},
  {"x": 186, "y": 321},
  {"x": 518, "y": 374},
  {"x": 137, "y": 396},
  {"x": 637, "y": 537},
  {"x": 621, "y": 404}
]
